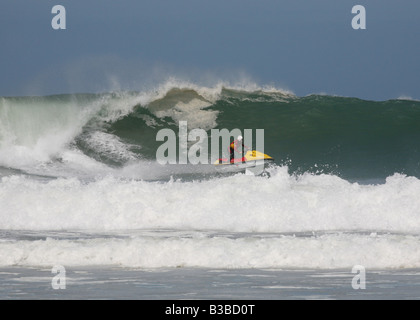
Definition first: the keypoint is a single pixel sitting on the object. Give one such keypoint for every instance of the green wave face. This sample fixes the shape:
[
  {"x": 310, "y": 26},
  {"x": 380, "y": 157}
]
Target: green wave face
[{"x": 349, "y": 137}]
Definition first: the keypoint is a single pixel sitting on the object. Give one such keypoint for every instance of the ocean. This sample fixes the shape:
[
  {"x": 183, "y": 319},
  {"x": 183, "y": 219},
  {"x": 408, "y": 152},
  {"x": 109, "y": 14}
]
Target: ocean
[{"x": 80, "y": 188}]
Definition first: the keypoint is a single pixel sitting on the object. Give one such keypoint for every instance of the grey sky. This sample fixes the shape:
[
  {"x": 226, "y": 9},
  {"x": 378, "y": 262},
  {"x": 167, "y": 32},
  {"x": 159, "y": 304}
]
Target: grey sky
[{"x": 304, "y": 46}]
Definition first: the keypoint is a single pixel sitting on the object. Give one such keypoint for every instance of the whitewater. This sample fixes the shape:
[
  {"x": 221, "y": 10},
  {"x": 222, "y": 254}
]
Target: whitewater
[{"x": 80, "y": 186}]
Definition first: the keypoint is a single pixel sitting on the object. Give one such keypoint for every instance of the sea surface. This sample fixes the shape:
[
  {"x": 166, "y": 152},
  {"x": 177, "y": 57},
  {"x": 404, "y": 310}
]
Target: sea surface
[{"x": 81, "y": 189}]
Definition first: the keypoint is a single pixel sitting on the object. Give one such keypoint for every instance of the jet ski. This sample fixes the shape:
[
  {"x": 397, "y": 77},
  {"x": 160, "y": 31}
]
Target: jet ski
[{"x": 252, "y": 163}]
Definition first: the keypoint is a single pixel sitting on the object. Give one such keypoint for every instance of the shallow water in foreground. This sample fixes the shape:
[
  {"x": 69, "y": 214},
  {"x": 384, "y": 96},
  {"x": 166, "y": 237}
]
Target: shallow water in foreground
[{"x": 106, "y": 282}]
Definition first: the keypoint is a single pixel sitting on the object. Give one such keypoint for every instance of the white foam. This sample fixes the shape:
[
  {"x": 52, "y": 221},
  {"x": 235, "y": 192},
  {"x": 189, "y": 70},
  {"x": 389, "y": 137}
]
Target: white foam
[
  {"x": 310, "y": 221},
  {"x": 282, "y": 203},
  {"x": 109, "y": 145},
  {"x": 34, "y": 131},
  {"x": 327, "y": 251},
  {"x": 404, "y": 97}
]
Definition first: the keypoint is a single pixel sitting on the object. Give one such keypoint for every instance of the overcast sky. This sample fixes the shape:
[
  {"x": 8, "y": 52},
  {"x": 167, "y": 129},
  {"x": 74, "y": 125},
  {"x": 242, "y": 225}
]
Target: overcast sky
[{"x": 303, "y": 46}]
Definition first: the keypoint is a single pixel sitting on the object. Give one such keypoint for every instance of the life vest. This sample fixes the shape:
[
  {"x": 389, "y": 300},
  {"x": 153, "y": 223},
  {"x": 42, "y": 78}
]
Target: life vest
[{"x": 234, "y": 146}]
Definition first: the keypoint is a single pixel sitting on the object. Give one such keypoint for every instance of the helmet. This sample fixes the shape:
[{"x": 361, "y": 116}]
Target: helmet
[{"x": 239, "y": 138}]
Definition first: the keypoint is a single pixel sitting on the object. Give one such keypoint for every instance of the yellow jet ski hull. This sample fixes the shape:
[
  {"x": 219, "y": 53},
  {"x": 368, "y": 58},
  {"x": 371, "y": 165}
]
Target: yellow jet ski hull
[
  {"x": 253, "y": 163},
  {"x": 249, "y": 157}
]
